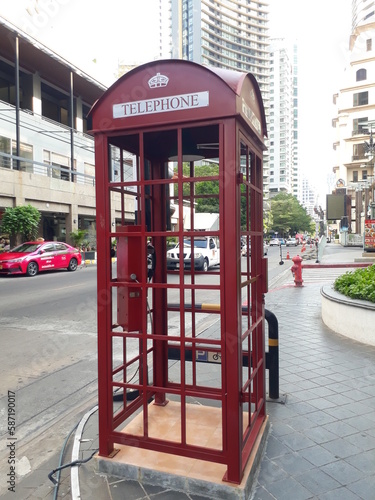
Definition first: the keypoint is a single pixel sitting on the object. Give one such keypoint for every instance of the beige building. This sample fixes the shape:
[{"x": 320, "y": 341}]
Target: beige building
[{"x": 355, "y": 123}]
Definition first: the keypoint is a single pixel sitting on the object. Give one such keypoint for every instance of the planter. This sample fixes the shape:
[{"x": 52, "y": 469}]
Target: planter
[
  {"x": 349, "y": 317},
  {"x": 88, "y": 255}
]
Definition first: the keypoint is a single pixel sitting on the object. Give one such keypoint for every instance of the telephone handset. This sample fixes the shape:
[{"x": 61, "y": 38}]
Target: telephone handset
[{"x": 129, "y": 269}]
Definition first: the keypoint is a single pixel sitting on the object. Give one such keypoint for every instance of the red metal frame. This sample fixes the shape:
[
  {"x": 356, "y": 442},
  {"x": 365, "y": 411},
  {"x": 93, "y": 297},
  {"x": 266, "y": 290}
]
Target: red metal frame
[{"x": 218, "y": 115}]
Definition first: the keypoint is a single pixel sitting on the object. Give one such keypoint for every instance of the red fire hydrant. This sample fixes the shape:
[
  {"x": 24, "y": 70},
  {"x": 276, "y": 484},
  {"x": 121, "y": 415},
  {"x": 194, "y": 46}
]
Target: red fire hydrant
[{"x": 297, "y": 270}]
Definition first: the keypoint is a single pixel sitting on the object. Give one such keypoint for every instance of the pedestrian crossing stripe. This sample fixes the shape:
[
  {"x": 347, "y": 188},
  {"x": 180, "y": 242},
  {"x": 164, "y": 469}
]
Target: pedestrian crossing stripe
[{"x": 324, "y": 274}]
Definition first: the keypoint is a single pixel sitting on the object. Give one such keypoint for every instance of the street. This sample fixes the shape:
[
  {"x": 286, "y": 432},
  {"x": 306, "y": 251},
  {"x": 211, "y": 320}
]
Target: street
[
  {"x": 49, "y": 352},
  {"x": 47, "y": 359}
]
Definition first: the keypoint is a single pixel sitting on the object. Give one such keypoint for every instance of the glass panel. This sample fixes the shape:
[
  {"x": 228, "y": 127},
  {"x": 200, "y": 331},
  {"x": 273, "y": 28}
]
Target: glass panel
[
  {"x": 26, "y": 151},
  {"x": 5, "y": 143}
]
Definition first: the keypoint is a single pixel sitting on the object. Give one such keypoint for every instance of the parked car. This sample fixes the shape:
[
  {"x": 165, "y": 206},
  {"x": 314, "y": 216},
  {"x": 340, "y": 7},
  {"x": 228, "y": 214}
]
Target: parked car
[
  {"x": 244, "y": 250},
  {"x": 34, "y": 256},
  {"x": 206, "y": 253},
  {"x": 275, "y": 242},
  {"x": 292, "y": 242}
]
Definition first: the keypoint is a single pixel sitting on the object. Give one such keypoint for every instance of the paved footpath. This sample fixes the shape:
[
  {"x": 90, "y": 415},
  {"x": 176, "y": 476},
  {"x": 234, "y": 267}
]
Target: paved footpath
[{"x": 322, "y": 439}]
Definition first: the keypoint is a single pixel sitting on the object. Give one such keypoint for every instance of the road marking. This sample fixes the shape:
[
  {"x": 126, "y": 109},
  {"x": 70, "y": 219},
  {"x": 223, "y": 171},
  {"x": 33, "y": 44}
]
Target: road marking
[
  {"x": 323, "y": 274},
  {"x": 66, "y": 287}
]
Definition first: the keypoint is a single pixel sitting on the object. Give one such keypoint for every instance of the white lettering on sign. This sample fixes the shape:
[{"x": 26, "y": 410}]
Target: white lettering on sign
[
  {"x": 161, "y": 105},
  {"x": 250, "y": 115}
]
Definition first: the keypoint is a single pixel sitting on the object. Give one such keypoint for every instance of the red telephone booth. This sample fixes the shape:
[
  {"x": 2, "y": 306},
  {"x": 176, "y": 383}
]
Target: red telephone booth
[{"x": 182, "y": 356}]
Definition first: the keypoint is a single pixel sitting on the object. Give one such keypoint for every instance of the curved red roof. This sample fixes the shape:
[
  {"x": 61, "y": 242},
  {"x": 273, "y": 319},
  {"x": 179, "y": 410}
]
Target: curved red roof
[{"x": 177, "y": 91}]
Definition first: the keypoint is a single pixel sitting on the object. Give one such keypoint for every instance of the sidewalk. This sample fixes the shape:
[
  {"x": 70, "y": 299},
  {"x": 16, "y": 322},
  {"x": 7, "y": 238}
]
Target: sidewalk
[{"x": 321, "y": 443}]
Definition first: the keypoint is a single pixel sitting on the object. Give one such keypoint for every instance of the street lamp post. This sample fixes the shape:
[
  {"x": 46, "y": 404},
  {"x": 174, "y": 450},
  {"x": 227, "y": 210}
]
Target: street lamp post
[{"x": 369, "y": 148}]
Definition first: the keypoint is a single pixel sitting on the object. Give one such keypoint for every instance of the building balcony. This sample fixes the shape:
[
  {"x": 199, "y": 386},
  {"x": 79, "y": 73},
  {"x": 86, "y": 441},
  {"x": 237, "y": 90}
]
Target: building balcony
[
  {"x": 359, "y": 132},
  {"x": 360, "y": 157}
]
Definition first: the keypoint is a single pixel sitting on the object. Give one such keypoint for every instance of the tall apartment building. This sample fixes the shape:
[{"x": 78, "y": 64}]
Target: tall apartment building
[
  {"x": 223, "y": 33},
  {"x": 283, "y": 119},
  {"x": 309, "y": 198},
  {"x": 355, "y": 117},
  {"x": 226, "y": 34},
  {"x": 296, "y": 173},
  {"x": 164, "y": 28}
]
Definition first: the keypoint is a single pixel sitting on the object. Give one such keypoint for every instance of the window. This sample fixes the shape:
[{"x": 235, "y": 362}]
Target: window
[
  {"x": 364, "y": 175},
  {"x": 360, "y": 99},
  {"x": 355, "y": 175},
  {"x": 361, "y": 74},
  {"x": 61, "y": 164},
  {"x": 358, "y": 151},
  {"x": 85, "y": 112},
  {"x": 26, "y": 151},
  {"x": 360, "y": 125},
  {"x": 60, "y": 247},
  {"x": 49, "y": 248},
  {"x": 5, "y": 145},
  {"x": 369, "y": 44},
  {"x": 55, "y": 105}
]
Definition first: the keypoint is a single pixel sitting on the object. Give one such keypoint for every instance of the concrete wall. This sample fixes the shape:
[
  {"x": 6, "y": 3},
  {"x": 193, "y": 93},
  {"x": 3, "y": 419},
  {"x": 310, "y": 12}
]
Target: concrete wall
[{"x": 352, "y": 318}]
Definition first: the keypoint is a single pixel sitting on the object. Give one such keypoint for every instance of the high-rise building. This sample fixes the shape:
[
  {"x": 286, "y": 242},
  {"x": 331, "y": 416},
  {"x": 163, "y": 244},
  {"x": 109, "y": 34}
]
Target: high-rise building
[
  {"x": 309, "y": 196},
  {"x": 355, "y": 118},
  {"x": 222, "y": 33},
  {"x": 164, "y": 29},
  {"x": 226, "y": 34},
  {"x": 296, "y": 172},
  {"x": 283, "y": 119}
]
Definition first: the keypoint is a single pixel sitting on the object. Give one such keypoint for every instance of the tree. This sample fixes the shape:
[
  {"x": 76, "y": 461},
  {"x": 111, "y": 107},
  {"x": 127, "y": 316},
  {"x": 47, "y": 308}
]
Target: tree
[
  {"x": 21, "y": 223},
  {"x": 267, "y": 221},
  {"x": 77, "y": 237},
  {"x": 288, "y": 216},
  {"x": 209, "y": 190}
]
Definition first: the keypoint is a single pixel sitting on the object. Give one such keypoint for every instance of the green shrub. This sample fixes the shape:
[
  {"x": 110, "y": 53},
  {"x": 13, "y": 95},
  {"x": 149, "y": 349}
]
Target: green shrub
[
  {"x": 358, "y": 284},
  {"x": 21, "y": 222}
]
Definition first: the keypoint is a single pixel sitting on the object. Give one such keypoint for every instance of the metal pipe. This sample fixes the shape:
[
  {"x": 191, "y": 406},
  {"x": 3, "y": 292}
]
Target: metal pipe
[
  {"x": 272, "y": 356},
  {"x": 72, "y": 126},
  {"x": 17, "y": 85}
]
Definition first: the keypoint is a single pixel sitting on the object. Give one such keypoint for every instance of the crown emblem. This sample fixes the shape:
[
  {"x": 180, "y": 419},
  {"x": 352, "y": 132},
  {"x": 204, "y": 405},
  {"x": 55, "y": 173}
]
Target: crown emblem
[{"x": 158, "y": 81}]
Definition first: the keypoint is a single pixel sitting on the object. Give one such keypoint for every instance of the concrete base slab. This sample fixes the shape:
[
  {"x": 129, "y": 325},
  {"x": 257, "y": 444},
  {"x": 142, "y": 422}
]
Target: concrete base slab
[{"x": 185, "y": 474}]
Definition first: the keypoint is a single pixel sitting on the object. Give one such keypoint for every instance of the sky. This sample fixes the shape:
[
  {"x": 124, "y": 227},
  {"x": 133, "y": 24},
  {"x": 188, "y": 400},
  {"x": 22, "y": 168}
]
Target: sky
[
  {"x": 96, "y": 36},
  {"x": 321, "y": 29}
]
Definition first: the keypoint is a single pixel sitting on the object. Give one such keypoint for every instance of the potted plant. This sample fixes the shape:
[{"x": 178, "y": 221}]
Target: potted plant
[{"x": 77, "y": 238}]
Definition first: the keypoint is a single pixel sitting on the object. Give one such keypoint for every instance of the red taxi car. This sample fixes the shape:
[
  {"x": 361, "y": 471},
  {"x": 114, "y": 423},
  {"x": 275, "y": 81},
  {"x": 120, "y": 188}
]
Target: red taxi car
[{"x": 34, "y": 256}]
